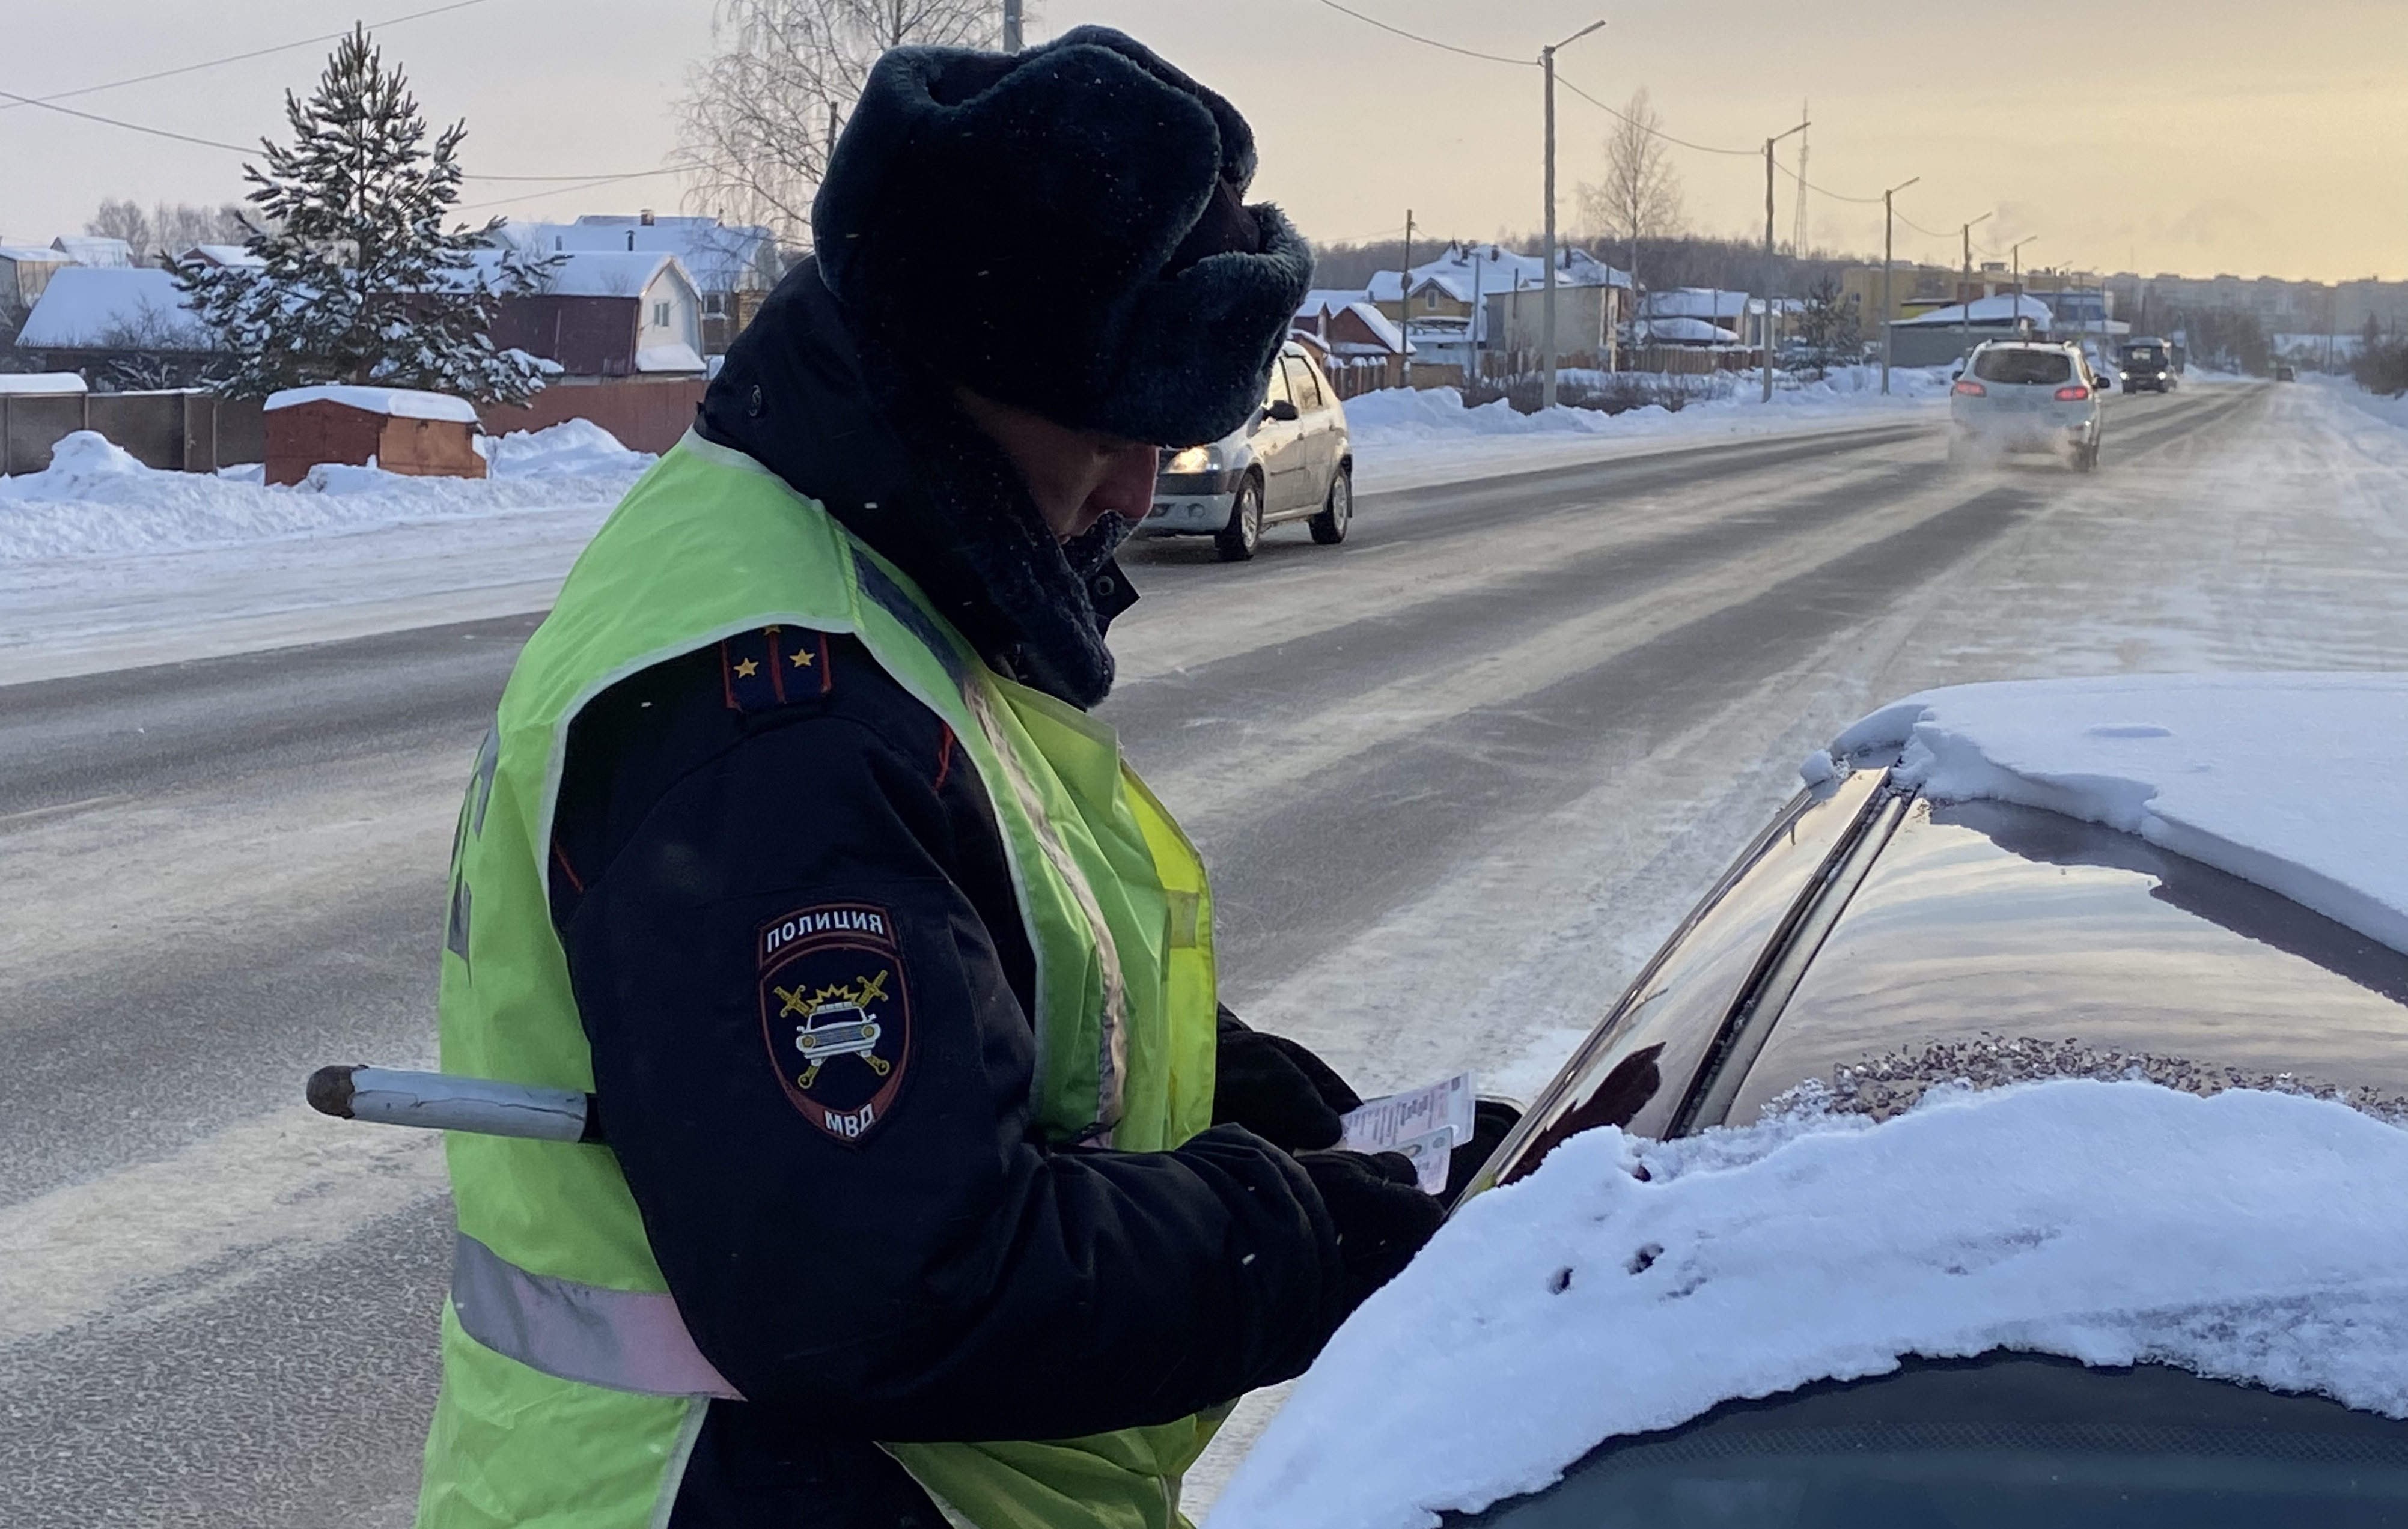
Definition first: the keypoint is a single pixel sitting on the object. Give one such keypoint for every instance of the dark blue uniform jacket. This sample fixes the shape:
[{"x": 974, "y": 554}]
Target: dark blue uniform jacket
[{"x": 943, "y": 1275}]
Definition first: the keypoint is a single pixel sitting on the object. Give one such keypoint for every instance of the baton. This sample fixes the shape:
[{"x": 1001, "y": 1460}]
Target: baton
[{"x": 437, "y": 1101}]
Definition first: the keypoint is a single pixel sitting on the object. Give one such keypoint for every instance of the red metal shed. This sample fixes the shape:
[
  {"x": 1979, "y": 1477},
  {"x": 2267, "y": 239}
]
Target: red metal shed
[{"x": 422, "y": 434}]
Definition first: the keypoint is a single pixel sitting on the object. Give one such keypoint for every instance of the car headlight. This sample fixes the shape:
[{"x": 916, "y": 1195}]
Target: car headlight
[{"x": 1196, "y": 458}]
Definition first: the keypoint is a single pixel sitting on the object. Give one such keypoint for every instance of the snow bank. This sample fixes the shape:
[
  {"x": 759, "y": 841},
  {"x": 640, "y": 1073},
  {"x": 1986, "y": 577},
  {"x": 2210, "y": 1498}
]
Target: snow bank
[
  {"x": 41, "y": 384},
  {"x": 572, "y": 448},
  {"x": 2254, "y": 1236},
  {"x": 1405, "y": 437},
  {"x": 94, "y": 500},
  {"x": 402, "y": 403},
  {"x": 2293, "y": 781}
]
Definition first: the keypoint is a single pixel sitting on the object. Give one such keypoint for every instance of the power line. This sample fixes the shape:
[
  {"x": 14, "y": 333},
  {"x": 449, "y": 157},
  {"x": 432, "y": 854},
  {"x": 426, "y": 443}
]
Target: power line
[
  {"x": 14, "y": 98},
  {"x": 1653, "y": 132},
  {"x": 1429, "y": 42},
  {"x": 556, "y": 191},
  {"x": 1860, "y": 201},
  {"x": 14, "y": 102}
]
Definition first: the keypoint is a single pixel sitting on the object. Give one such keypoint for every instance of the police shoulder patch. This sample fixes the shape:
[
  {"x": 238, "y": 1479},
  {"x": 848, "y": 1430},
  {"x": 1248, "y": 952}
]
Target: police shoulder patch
[{"x": 836, "y": 1012}]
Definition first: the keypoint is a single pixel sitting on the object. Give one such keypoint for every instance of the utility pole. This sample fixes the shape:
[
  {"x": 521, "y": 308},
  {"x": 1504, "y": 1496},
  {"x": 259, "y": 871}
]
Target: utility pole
[
  {"x": 1964, "y": 294},
  {"x": 1011, "y": 26},
  {"x": 2015, "y": 253},
  {"x": 1889, "y": 309},
  {"x": 1547, "y": 308},
  {"x": 1405, "y": 303},
  {"x": 1764, "y": 330}
]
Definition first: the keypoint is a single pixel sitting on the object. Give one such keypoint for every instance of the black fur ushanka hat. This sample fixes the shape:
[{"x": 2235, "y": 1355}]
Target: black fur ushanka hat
[{"x": 1063, "y": 229}]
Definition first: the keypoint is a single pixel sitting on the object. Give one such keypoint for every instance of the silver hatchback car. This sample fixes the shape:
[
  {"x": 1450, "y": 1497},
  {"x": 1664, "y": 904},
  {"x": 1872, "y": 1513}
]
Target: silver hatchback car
[
  {"x": 2027, "y": 395},
  {"x": 1293, "y": 461}
]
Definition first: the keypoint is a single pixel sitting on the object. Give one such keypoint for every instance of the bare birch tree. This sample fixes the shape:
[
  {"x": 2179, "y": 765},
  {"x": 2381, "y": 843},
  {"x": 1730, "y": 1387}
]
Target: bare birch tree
[
  {"x": 1640, "y": 194},
  {"x": 760, "y": 114}
]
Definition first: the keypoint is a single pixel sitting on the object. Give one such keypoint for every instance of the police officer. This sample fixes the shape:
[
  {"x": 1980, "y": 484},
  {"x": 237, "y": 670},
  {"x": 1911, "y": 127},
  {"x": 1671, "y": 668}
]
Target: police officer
[{"x": 939, "y": 1189}]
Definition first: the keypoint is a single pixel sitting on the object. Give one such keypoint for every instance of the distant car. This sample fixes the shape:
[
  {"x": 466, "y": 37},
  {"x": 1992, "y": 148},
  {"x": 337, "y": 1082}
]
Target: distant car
[
  {"x": 1874, "y": 934},
  {"x": 2027, "y": 395},
  {"x": 1293, "y": 461},
  {"x": 2286, "y": 372},
  {"x": 2146, "y": 365}
]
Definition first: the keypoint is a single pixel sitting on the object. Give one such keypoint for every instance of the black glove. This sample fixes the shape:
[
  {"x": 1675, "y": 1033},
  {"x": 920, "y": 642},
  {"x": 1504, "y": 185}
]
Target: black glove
[
  {"x": 1491, "y": 1119},
  {"x": 1277, "y": 1089},
  {"x": 1383, "y": 1215}
]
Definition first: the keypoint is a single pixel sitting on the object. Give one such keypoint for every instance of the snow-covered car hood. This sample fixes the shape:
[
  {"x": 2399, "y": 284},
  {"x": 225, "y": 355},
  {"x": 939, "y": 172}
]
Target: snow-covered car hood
[{"x": 2249, "y": 1236}]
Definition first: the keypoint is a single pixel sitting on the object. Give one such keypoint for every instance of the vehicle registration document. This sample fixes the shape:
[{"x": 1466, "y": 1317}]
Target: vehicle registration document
[{"x": 1425, "y": 1124}]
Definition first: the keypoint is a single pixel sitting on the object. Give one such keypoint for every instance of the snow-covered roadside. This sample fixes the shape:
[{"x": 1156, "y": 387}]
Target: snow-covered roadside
[
  {"x": 1418, "y": 438},
  {"x": 100, "y": 555}
]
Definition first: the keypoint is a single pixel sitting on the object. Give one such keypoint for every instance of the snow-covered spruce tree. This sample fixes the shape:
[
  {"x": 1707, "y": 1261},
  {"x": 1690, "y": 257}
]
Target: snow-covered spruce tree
[{"x": 358, "y": 281}]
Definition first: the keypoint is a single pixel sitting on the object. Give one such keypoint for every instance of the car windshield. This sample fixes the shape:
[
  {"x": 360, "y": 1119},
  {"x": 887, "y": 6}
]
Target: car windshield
[
  {"x": 2145, "y": 355},
  {"x": 2006, "y": 1440},
  {"x": 2043, "y": 367}
]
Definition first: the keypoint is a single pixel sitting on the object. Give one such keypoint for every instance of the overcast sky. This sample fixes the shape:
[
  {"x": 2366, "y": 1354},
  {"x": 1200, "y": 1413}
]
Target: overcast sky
[{"x": 2192, "y": 135}]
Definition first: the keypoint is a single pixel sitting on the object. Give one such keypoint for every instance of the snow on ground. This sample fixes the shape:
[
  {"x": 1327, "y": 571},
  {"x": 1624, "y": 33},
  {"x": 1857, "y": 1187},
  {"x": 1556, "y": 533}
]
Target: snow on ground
[
  {"x": 1412, "y": 436},
  {"x": 2292, "y": 781},
  {"x": 98, "y": 553},
  {"x": 2247, "y": 1236}
]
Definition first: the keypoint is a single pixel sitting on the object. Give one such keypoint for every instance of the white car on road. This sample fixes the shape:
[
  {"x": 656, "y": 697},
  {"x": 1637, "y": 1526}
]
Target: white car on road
[
  {"x": 2027, "y": 395},
  {"x": 1293, "y": 461}
]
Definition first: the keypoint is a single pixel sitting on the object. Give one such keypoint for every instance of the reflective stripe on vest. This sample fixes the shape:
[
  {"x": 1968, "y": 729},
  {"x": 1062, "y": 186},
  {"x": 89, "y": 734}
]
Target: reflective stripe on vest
[{"x": 625, "y": 1339}]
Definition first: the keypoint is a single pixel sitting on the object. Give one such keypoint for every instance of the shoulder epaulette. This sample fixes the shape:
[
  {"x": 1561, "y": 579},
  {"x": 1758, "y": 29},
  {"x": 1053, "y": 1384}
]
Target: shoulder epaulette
[{"x": 774, "y": 666}]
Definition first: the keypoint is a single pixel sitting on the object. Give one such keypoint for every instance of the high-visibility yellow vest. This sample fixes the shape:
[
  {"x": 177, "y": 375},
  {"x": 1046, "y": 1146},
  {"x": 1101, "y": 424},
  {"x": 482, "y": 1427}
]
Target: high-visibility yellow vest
[{"x": 573, "y": 1392}]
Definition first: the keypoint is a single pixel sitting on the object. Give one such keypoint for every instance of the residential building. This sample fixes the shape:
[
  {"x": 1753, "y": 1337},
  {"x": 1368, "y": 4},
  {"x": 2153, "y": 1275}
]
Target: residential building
[
  {"x": 25, "y": 269},
  {"x": 1361, "y": 347},
  {"x": 123, "y": 326},
  {"x": 733, "y": 267},
  {"x": 1484, "y": 300},
  {"x": 606, "y": 313},
  {"x": 94, "y": 249}
]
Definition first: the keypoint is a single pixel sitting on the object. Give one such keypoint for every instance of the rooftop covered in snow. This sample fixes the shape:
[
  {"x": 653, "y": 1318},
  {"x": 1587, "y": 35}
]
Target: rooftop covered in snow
[
  {"x": 718, "y": 257},
  {"x": 2002, "y": 311},
  {"x": 88, "y": 307}
]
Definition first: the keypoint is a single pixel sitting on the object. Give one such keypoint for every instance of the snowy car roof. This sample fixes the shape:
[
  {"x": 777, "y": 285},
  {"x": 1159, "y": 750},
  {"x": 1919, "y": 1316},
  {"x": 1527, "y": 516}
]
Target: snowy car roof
[
  {"x": 2292, "y": 781},
  {"x": 2248, "y": 1235}
]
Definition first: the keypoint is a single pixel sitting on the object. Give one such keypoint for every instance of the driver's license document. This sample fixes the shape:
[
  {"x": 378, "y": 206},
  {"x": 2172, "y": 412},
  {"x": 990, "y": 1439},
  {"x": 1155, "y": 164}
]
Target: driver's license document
[{"x": 1425, "y": 1124}]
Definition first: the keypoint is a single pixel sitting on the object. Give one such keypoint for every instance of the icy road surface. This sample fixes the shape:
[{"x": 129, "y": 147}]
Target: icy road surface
[{"x": 1455, "y": 778}]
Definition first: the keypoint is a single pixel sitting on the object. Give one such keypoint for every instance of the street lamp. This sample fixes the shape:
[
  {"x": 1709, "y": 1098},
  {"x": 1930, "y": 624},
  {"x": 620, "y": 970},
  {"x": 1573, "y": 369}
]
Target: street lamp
[
  {"x": 1547, "y": 306},
  {"x": 1764, "y": 332},
  {"x": 1889, "y": 216},
  {"x": 2015, "y": 252},
  {"x": 1964, "y": 290}
]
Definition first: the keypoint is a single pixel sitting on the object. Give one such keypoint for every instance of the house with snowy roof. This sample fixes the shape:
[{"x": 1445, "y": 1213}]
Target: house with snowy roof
[
  {"x": 604, "y": 313},
  {"x": 1361, "y": 347},
  {"x": 25, "y": 269},
  {"x": 130, "y": 323},
  {"x": 733, "y": 266},
  {"x": 1483, "y": 299},
  {"x": 94, "y": 249},
  {"x": 1944, "y": 335}
]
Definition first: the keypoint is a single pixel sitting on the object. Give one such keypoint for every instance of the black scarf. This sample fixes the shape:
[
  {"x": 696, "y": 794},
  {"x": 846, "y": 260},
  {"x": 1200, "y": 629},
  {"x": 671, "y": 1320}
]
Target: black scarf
[{"x": 884, "y": 446}]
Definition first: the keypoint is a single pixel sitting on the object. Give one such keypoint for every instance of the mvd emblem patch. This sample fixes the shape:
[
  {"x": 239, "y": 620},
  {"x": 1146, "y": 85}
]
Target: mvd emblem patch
[{"x": 836, "y": 1014}]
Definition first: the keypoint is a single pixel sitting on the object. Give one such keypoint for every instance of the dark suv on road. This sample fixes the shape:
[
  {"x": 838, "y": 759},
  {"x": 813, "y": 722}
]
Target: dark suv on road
[{"x": 2146, "y": 364}]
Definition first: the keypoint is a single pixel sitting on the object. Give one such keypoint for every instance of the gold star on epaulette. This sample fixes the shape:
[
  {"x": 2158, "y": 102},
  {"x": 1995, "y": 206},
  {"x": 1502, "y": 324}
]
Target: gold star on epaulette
[
  {"x": 746, "y": 668},
  {"x": 801, "y": 660}
]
